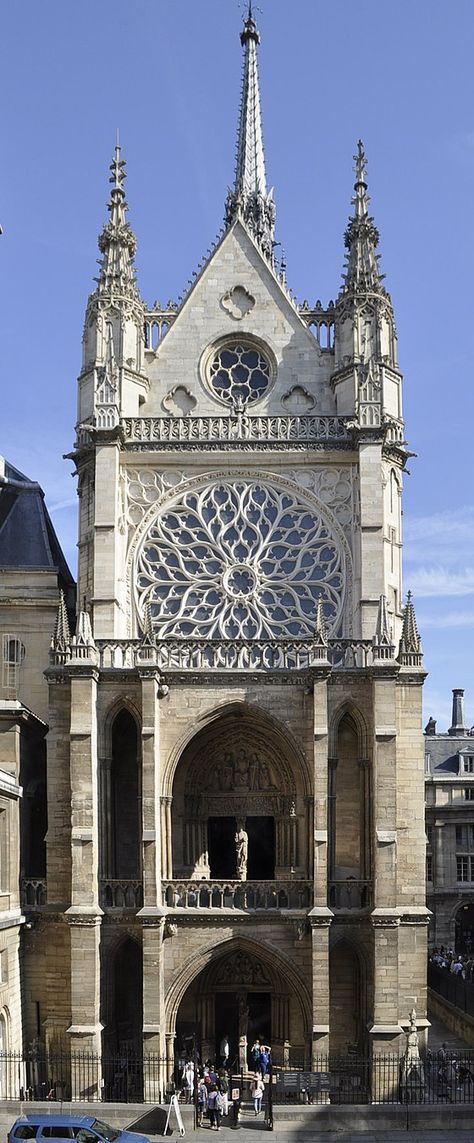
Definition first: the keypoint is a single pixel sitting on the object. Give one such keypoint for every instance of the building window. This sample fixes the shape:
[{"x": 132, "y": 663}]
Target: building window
[
  {"x": 427, "y": 763},
  {"x": 13, "y": 653},
  {"x": 463, "y": 867},
  {"x": 468, "y": 765},
  {"x": 429, "y": 867},
  {"x": 469, "y": 793},
  {"x": 4, "y": 966},
  {"x": 459, "y": 835},
  {"x": 429, "y": 834}
]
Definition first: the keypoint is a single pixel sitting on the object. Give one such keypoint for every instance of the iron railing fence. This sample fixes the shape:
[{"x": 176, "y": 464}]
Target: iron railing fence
[
  {"x": 452, "y": 988},
  {"x": 132, "y": 1077},
  {"x": 439, "y": 1077}
]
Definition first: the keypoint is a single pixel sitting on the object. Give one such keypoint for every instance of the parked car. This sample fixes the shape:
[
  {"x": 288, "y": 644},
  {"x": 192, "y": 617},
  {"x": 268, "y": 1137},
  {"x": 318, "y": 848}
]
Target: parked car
[{"x": 82, "y": 1128}]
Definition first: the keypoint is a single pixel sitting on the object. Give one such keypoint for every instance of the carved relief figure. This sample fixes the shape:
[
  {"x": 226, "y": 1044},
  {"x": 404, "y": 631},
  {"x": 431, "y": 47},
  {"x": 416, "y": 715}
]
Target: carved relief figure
[{"x": 241, "y": 850}]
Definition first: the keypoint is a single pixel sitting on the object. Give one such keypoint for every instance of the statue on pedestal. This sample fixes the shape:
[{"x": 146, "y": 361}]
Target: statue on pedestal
[{"x": 241, "y": 851}]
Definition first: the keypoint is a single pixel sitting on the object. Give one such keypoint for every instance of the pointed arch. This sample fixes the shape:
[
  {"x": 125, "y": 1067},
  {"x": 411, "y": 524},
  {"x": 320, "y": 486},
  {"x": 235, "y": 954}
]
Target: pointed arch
[
  {"x": 273, "y": 959},
  {"x": 256, "y": 715},
  {"x": 120, "y": 792},
  {"x": 122, "y": 702},
  {"x": 349, "y": 809},
  {"x": 349, "y": 710}
]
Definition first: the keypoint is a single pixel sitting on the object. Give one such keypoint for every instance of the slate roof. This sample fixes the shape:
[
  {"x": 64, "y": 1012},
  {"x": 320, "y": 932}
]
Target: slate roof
[
  {"x": 444, "y": 750},
  {"x": 27, "y": 536}
]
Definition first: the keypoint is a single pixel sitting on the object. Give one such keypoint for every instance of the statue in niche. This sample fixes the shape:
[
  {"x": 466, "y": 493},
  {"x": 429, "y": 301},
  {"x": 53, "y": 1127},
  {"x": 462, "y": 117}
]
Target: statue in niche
[
  {"x": 241, "y": 771},
  {"x": 227, "y": 773},
  {"x": 265, "y": 781},
  {"x": 241, "y": 850},
  {"x": 243, "y": 1016}
]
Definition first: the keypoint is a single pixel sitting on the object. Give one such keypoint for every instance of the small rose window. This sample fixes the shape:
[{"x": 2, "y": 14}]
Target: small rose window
[{"x": 239, "y": 374}]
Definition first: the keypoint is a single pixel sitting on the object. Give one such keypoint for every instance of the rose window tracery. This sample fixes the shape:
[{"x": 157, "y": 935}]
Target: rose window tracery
[
  {"x": 239, "y": 559},
  {"x": 239, "y": 373}
]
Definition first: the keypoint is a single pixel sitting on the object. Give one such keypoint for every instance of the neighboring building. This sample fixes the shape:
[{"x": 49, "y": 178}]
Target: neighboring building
[
  {"x": 33, "y": 573},
  {"x": 235, "y": 757},
  {"x": 449, "y": 780}
]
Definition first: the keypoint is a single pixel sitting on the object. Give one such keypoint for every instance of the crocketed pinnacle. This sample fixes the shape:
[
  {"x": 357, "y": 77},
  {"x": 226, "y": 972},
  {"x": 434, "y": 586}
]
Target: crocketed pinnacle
[
  {"x": 410, "y": 642},
  {"x": 61, "y": 636},
  {"x": 383, "y": 630},
  {"x": 249, "y": 197},
  {"x": 361, "y": 238},
  {"x": 117, "y": 242}
]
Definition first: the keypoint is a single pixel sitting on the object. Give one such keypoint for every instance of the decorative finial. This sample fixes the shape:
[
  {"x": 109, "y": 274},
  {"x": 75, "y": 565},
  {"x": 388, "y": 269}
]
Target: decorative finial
[
  {"x": 361, "y": 237},
  {"x": 249, "y": 198},
  {"x": 360, "y": 165},
  {"x": 117, "y": 243}
]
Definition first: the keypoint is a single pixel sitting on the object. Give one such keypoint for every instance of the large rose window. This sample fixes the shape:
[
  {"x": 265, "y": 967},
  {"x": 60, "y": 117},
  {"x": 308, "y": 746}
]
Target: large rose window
[{"x": 239, "y": 559}]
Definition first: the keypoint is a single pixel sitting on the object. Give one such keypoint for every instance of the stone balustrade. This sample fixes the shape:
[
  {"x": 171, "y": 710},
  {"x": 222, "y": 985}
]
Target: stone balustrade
[
  {"x": 350, "y": 893},
  {"x": 247, "y": 896},
  {"x": 237, "y": 427},
  {"x": 222, "y": 655},
  {"x": 32, "y": 891},
  {"x": 121, "y": 893}
]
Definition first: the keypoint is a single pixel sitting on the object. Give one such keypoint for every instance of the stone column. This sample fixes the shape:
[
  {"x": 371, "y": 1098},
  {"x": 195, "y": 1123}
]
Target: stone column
[
  {"x": 320, "y": 777},
  {"x": 84, "y": 913},
  {"x": 320, "y": 982},
  {"x": 154, "y": 1040},
  {"x": 151, "y": 777}
]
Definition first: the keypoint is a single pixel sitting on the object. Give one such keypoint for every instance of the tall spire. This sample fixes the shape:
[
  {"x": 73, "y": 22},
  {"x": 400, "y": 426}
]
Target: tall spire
[
  {"x": 117, "y": 243},
  {"x": 249, "y": 196},
  {"x": 361, "y": 238}
]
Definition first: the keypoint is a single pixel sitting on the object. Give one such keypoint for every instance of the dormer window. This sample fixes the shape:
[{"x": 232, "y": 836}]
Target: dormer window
[{"x": 466, "y": 763}]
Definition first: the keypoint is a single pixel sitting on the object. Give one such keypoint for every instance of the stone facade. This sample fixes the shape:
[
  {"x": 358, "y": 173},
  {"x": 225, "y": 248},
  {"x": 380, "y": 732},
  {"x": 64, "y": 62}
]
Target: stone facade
[
  {"x": 32, "y": 574},
  {"x": 235, "y": 760},
  {"x": 449, "y": 784}
]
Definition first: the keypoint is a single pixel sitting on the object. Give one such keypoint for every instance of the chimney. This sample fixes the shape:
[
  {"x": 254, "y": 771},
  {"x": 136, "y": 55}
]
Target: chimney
[{"x": 457, "y": 727}]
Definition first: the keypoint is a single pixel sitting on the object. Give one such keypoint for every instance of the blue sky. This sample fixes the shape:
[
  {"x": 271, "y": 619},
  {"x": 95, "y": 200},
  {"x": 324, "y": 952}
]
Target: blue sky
[{"x": 167, "y": 73}]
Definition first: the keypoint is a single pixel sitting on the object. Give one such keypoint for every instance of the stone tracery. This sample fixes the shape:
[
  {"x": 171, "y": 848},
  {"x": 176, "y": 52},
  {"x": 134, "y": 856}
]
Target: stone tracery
[{"x": 239, "y": 558}]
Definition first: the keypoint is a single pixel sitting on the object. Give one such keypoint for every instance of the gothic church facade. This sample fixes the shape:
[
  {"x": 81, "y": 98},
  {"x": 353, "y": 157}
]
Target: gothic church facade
[{"x": 235, "y": 834}]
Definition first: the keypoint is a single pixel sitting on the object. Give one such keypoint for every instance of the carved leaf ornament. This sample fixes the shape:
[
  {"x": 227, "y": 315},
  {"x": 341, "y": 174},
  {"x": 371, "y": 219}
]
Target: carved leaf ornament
[{"x": 239, "y": 559}]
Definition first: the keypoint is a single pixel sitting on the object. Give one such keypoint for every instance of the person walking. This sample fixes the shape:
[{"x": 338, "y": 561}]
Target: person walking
[
  {"x": 257, "y": 1090},
  {"x": 201, "y": 1101},
  {"x": 213, "y": 1108}
]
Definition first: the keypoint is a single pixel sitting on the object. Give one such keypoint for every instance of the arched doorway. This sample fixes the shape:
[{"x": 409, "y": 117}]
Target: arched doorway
[
  {"x": 464, "y": 928},
  {"x": 238, "y": 802},
  {"x": 243, "y": 994}
]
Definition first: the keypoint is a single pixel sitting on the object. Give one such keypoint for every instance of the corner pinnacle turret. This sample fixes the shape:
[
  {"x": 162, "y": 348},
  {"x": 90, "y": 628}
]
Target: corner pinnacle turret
[
  {"x": 361, "y": 238},
  {"x": 117, "y": 242},
  {"x": 249, "y": 197}
]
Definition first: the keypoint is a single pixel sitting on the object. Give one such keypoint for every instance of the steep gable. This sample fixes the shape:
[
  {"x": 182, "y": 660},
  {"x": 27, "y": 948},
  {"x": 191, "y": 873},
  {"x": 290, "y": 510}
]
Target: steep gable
[{"x": 237, "y": 296}]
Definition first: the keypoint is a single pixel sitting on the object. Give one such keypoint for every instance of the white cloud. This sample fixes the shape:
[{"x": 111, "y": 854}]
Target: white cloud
[
  {"x": 439, "y": 553},
  {"x": 446, "y": 620},
  {"x": 425, "y": 581}
]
